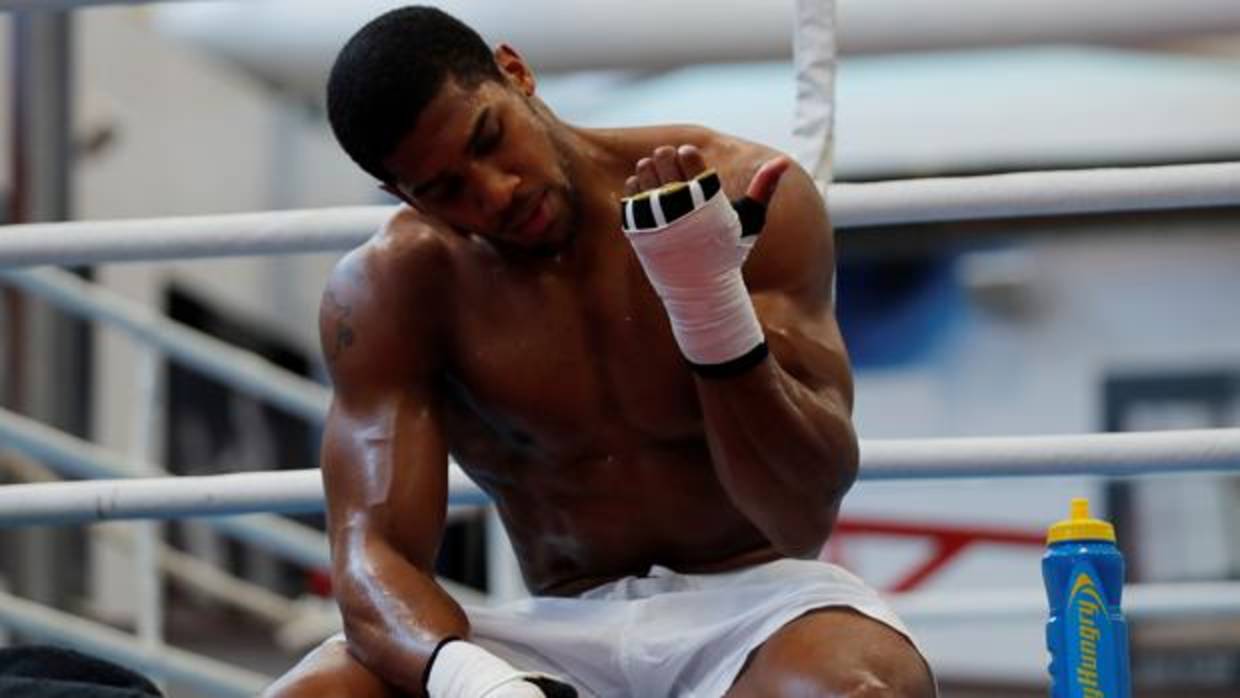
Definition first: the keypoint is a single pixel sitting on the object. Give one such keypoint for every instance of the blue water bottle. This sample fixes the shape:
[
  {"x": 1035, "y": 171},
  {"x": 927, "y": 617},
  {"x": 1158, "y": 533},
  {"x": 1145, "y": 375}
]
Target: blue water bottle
[{"x": 1086, "y": 634}]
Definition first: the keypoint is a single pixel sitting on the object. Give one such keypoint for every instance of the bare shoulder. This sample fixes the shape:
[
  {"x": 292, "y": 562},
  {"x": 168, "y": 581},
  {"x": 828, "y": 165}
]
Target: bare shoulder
[
  {"x": 383, "y": 303},
  {"x": 796, "y": 249},
  {"x": 736, "y": 159}
]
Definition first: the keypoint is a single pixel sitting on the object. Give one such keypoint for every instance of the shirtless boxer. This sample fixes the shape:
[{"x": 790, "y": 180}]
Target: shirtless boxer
[{"x": 667, "y": 439}]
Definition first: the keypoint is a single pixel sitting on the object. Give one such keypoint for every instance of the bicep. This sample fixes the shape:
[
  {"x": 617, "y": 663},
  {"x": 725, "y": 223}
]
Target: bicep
[{"x": 384, "y": 455}]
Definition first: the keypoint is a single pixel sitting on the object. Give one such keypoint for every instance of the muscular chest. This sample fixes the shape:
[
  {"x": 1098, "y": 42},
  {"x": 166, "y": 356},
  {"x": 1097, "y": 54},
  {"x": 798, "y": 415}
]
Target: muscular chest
[{"x": 579, "y": 360}]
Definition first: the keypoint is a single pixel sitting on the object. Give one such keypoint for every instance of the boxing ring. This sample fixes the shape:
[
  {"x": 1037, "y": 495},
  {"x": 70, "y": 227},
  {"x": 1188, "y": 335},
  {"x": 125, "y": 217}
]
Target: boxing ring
[{"x": 111, "y": 485}]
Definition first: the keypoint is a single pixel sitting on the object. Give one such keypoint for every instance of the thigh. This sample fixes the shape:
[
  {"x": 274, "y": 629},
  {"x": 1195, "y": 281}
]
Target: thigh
[
  {"x": 834, "y": 652},
  {"x": 330, "y": 672}
]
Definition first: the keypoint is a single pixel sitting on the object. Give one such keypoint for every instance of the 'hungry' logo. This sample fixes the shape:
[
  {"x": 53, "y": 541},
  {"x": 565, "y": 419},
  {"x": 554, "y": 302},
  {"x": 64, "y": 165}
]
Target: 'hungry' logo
[{"x": 1086, "y": 603}]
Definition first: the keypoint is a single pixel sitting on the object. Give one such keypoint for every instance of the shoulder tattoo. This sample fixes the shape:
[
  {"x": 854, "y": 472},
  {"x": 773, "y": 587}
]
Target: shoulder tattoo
[{"x": 341, "y": 332}]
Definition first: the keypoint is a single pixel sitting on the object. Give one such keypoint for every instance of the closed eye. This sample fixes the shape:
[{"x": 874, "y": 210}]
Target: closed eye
[{"x": 491, "y": 140}]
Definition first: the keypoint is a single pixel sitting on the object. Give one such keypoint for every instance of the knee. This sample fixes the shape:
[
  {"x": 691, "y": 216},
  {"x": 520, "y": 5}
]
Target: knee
[
  {"x": 838, "y": 653},
  {"x": 855, "y": 679},
  {"x": 866, "y": 683},
  {"x": 327, "y": 672},
  {"x": 306, "y": 686}
]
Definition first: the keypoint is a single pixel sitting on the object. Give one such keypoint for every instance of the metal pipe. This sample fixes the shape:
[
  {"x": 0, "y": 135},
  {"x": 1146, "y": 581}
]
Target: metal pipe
[
  {"x": 42, "y": 116},
  {"x": 73, "y": 457},
  {"x": 145, "y": 447},
  {"x": 243, "y": 370},
  {"x": 240, "y": 369},
  {"x": 47, "y": 348},
  {"x": 208, "y": 675}
]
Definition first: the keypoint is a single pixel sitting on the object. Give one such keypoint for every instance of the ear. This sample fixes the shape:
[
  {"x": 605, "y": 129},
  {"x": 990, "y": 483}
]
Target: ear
[{"x": 515, "y": 69}]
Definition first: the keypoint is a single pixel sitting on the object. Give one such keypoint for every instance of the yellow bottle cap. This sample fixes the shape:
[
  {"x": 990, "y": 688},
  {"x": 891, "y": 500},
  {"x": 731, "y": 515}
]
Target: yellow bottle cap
[{"x": 1079, "y": 526}]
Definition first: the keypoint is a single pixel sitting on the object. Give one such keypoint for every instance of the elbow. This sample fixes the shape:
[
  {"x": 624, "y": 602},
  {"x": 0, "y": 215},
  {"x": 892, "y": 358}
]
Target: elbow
[
  {"x": 805, "y": 536},
  {"x": 360, "y": 633},
  {"x": 804, "y": 530},
  {"x": 370, "y": 637},
  {"x": 360, "y": 598},
  {"x": 801, "y": 548},
  {"x": 363, "y": 625}
]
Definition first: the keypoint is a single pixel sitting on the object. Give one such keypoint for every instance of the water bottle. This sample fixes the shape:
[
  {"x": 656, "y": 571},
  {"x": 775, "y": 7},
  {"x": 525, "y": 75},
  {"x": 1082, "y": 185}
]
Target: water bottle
[{"x": 1086, "y": 634}]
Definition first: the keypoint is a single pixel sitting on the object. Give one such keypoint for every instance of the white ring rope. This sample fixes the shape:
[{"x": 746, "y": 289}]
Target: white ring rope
[
  {"x": 1030, "y": 194},
  {"x": 813, "y": 125},
  {"x": 1180, "y": 601},
  {"x": 1050, "y": 193},
  {"x": 190, "y": 237},
  {"x": 1109, "y": 454},
  {"x": 283, "y": 491},
  {"x": 1121, "y": 454}
]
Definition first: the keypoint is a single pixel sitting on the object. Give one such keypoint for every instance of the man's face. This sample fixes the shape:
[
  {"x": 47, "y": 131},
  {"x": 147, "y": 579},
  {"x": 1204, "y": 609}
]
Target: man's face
[{"x": 483, "y": 161}]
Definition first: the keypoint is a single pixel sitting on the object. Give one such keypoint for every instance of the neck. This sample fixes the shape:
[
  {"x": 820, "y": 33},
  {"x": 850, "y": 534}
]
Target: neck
[
  {"x": 596, "y": 160},
  {"x": 597, "y": 168}
]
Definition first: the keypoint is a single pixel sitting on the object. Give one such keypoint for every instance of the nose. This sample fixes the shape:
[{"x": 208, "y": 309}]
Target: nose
[{"x": 494, "y": 190}]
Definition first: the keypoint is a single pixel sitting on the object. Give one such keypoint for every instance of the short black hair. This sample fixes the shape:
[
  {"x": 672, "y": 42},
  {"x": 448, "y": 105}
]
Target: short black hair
[{"x": 390, "y": 70}]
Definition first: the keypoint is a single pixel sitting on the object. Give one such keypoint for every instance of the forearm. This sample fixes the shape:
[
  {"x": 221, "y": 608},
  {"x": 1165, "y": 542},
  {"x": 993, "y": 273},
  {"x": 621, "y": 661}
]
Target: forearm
[
  {"x": 784, "y": 453},
  {"x": 782, "y": 442},
  {"x": 395, "y": 614}
]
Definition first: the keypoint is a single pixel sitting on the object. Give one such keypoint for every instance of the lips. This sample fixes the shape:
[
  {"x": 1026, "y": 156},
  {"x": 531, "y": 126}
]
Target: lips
[{"x": 534, "y": 219}]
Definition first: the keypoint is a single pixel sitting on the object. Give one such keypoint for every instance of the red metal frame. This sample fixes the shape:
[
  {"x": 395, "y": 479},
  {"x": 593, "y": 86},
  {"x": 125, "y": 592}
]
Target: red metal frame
[{"x": 948, "y": 540}]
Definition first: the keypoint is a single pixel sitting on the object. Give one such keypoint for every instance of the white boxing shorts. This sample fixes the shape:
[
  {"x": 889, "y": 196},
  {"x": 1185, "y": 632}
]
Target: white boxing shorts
[{"x": 667, "y": 633}]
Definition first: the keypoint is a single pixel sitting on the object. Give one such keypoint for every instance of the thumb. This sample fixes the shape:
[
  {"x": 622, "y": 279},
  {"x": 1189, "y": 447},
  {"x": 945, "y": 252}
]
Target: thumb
[{"x": 766, "y": 179}]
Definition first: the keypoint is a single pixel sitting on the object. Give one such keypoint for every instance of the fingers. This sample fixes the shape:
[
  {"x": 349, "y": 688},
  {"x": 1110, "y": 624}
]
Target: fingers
[
  {"x": 692, "y": 163},
  {"x": 647, "y": 177},
  {"x": 664, "y": 166}
]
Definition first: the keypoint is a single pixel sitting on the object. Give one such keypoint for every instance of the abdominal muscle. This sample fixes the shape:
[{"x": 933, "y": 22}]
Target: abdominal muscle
[{"x": 582, "y": 522}]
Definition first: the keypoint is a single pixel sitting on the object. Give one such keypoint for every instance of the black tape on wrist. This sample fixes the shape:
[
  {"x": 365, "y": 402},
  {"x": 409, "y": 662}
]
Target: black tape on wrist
[
  {"x": 732, "y": 367},
  {"x": 675, "y": 201},
  {"x": 752, "y": 214},
  {"x": 430, "y": 661}
]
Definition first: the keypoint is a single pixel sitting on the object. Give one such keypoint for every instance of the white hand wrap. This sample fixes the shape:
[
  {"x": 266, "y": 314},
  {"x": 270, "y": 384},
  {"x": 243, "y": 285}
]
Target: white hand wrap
[
  {"x": 689, "y": 240},
  {"x": 464, "y": 670}
]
